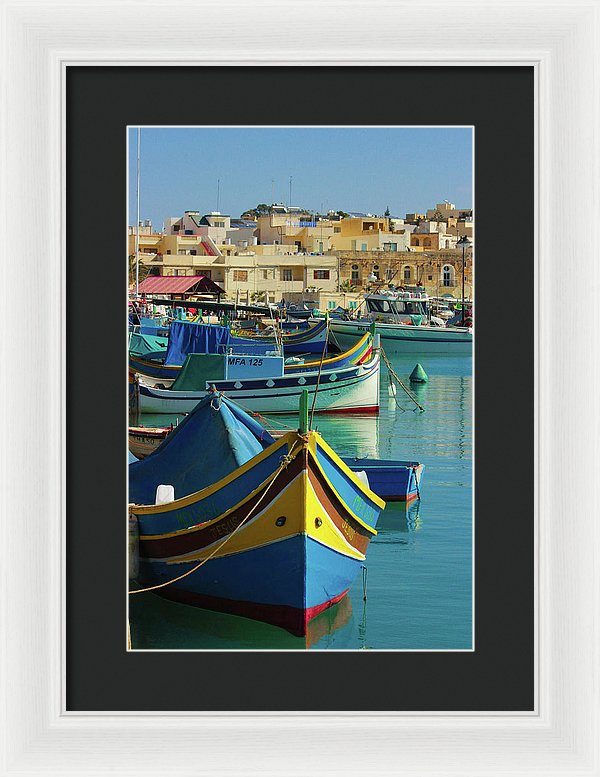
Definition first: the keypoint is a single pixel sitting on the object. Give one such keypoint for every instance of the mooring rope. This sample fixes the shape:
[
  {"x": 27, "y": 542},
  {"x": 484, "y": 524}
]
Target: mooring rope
[
  {"x": 409, "y": 393},
  {"x": 285, "y": 460}
]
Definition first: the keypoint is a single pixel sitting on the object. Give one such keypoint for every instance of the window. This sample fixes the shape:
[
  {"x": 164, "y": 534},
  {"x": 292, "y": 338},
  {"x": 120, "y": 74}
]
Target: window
[
  {"x": 219, "y": 224},
  {"x": 331, "y": 304},
  {"x": 430, "y": 277},
  {"x": 321, "y": 275},
  {"x": 407, "y": 273},
  {"x": 363, "y": 247},
  {"x": 352, "y": 304},
  {"x": 427, "y": 242},
  {"x": 287, "y": 274},
  {"x": 447, "y": 275},
  {"x": 240, "y": 275},
  {"x": 417, "y": 241},
  {"x": 193, "y": 251},
  {"x": 188, "y": 232},
  {"x": 176, "y": 227},
  {"x": 389, "y": 274},
  {"x": 168, "y": 250},
  {"x": 337, "y": 229}
]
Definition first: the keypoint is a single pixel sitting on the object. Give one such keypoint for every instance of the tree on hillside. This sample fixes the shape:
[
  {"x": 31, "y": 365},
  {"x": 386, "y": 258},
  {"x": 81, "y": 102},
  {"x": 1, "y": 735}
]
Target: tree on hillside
[
  {"x": 262, "y": 209},
  {"x": 343, "y": 214}
]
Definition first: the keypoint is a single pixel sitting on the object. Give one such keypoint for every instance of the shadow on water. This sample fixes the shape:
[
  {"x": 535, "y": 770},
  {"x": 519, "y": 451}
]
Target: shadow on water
[{"x": 160, "y": 624}]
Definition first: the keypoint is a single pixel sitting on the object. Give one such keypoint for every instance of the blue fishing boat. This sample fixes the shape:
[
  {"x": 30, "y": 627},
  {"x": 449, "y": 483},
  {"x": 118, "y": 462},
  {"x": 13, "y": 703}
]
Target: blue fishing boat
[
  {"x": 271, "y": 530},
  {"x": 392, "y": 480}
]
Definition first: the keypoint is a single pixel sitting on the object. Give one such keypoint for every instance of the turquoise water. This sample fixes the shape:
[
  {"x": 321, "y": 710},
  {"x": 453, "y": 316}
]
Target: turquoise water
[{"x": 418, "y": 579}]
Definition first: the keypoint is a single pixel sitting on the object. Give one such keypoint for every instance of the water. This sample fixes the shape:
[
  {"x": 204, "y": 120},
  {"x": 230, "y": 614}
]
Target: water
[{"x": 419, "y": 583}]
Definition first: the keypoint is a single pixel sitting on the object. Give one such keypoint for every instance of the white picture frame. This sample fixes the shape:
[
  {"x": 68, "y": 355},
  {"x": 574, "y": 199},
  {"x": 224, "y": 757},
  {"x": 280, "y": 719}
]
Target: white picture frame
[{"x": 560, "y": 40}]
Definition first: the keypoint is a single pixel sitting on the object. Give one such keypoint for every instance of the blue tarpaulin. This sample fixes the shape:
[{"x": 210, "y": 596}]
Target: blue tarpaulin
[
  {"x": 187, "y": 337},
  {"x": 215, "y": 439}
]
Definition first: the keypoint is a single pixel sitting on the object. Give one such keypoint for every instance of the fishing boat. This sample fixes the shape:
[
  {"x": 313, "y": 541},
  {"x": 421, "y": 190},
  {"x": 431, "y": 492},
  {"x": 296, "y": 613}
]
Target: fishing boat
[
  {"x": 271, "y": 530},
  {"x": 392, "y": 480},
  {"x": 306, "y": 339},
  {"x": 405, "y": 325},
  {"x": 144, "y": 440},
  {"x": 360, "y": 352},
  {"x": 261, "y": 385}
]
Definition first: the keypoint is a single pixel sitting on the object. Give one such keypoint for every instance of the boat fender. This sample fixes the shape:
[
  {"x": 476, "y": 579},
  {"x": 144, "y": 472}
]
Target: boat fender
[
  {"x": 363, "y": 477},
  {"x": 164, "y": 494}
]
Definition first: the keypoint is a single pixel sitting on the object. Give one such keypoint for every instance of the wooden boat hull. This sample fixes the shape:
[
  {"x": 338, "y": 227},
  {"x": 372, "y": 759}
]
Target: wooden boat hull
[
  {"x": 145, "y": 440},
  {"x": 351, "y": 390},
  {"x": 279, "y": 540},
  {"x": 312, "y": 339},
  {"x": 403, "y": 338},
  {"x": 393, "y": 481}
]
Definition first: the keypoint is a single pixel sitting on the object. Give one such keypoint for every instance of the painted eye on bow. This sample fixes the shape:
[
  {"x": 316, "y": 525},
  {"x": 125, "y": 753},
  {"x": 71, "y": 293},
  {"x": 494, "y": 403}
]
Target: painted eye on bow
[
  {"x": 318, "y": 522},
  {"x": 280, "y": 521}
]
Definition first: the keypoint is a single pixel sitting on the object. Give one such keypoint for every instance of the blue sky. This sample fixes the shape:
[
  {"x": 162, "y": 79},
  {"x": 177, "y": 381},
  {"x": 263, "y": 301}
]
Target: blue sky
[{"x": 350, "y": 169}]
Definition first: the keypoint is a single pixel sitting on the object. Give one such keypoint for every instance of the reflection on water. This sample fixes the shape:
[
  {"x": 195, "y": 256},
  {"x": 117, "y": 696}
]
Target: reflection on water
[
  {"x": 400, "y": 517},
  {"x": 160, "y": 624}
]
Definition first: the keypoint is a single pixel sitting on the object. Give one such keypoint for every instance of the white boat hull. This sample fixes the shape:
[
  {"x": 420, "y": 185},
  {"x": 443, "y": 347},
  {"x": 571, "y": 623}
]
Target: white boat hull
[
  {"x": 403, "y": 338},
  {"x": 350, "y": 390}
]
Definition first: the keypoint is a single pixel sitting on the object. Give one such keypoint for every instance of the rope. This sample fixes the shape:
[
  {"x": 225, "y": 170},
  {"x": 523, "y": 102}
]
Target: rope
[
  {"x": 312, "y": 410},
  {"x": 285, "y": 460},
  {"x": 409, "y": 393}
]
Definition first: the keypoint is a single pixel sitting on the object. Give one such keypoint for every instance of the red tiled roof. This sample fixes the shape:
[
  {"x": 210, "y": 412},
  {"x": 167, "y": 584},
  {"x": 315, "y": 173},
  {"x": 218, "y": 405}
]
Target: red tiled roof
[{"x": 179, "y": 284}]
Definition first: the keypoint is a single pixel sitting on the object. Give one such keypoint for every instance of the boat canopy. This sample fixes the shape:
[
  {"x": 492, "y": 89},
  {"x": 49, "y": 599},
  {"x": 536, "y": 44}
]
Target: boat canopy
[
  {"x": 142, "y": 345},
  {"x": 188, "y": 337},
  {"x": 215, "y": 439},
  {"x": 197, "y": 369}
]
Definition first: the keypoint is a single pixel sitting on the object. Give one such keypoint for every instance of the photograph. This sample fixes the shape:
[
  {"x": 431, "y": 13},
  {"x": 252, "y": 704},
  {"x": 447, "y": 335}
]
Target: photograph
[{"x": 299, "y": 383}]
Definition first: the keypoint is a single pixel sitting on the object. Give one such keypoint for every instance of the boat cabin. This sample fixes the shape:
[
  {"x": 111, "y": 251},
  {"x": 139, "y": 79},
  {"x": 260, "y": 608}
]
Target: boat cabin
[{"x": 396, "y": 305}]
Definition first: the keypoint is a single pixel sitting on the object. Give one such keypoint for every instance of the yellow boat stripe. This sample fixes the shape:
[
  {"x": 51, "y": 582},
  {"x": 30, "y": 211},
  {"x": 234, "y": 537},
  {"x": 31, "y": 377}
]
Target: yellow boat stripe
[
  {"x": 371, "y": 495},
  {"x": 327, "y": 533},
  {"x": 338, "y": 357},
  {"x": 198, "y": 496},
  {"x": 262, "y": 530}
]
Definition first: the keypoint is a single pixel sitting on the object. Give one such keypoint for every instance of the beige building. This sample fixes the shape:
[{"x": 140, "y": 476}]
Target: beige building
[
  {"x": 440, "y": 272},
  {"x": 445, "y": 210}
]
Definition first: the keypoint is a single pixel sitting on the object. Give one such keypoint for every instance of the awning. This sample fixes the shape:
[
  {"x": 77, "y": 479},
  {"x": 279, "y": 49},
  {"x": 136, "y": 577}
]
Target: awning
[{"x": 179, "y": 284}]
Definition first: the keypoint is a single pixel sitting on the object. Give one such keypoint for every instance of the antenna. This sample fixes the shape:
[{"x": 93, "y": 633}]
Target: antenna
[
  {"x": 290, "y": 202},
  {"x": 137, "y": 228},
  {"x": 218, "y": 193}
]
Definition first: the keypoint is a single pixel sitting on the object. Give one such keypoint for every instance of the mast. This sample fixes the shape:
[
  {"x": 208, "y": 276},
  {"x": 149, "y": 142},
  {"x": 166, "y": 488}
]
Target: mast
[{"x": 137, "y": 228}]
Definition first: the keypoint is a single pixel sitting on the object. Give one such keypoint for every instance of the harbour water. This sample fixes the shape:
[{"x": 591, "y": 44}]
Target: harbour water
[{"x": 418, "y": 576}]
